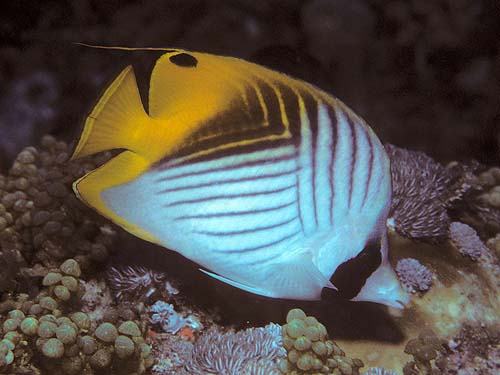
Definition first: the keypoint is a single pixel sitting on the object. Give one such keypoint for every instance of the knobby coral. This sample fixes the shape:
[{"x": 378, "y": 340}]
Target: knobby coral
[
  {"x": 41, "y": 220},
  {"x": 309, "y": 350},
  {"x": 413, "y": 275},
  {"x": 49, "y": 334},
  {"x": 466, "y": 240}
]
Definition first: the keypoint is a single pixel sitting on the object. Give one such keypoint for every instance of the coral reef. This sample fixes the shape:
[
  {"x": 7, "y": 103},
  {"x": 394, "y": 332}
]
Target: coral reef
[
  {"x": 379, "y": 371},
  {"x": 138, "y": 283},
  {"x": 309, "y": 351},
  {"x": 41, "y": 221},
  {"x": 474, "y": 351},
  {"x": 466, "y": 240},
  {"x": 425, "y": 350},
  {"x": 171, "y": 321},
  {"x": 423, "y": 191},
  {"x": 50, "y": 335},
  {"x": 254, "y": 351},
  {"x": 413, "y": 275}
]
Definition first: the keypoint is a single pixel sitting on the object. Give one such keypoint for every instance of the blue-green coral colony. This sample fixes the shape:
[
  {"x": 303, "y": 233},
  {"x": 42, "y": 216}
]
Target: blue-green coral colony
[
  {"x": 309, "y": 351},
  {"x": 47, "y": 331}
]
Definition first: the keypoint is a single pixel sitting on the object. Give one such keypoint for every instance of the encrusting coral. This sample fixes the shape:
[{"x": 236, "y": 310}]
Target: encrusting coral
[
  {"x": 425, "y": 350},
  {"x": 309, "y": 351},
  {"x": 474, "y": 351}
]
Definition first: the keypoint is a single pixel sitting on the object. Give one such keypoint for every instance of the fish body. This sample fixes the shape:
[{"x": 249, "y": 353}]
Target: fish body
[{"x": 267, "y": 182}]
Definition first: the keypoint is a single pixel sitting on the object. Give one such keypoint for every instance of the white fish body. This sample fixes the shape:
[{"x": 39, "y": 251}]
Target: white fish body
[{"x": 283, "y": 215}]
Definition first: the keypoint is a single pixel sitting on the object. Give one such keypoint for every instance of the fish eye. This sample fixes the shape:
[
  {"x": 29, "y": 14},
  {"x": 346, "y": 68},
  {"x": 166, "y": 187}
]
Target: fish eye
[{"x": 184, "y": 59}]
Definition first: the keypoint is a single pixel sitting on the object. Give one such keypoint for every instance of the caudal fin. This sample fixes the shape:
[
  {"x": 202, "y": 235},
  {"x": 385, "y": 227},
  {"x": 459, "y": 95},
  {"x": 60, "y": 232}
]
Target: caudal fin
[{"x": 114, "y": 120}]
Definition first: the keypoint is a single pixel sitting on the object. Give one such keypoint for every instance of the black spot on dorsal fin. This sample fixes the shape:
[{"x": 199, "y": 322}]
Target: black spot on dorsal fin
[
  {"x": 184, "y": 59},
  {"x": 351, "y": 275}
]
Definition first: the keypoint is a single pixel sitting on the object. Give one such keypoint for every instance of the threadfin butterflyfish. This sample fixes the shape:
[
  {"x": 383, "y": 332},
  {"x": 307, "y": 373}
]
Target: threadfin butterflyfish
[{"x": 268, "y": 183}]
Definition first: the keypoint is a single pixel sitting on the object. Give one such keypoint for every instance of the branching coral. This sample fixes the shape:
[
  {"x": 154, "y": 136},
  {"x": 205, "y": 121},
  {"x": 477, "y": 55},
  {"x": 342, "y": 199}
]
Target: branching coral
[
  {"x": 423, "y": 191},
  {"x": 252, "y": 351},
  {"x": 413, "y": 275},
  {"x": 138, "y": 283}
]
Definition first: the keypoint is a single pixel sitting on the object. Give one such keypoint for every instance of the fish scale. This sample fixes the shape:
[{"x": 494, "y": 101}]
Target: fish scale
[{"x": 268, "y": 183}]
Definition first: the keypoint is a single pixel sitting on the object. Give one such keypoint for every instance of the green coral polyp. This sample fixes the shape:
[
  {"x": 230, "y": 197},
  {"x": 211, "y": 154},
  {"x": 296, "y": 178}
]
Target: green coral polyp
[
  {"x": 29, "y": 326},
  {"x": 310, "y": 352}
]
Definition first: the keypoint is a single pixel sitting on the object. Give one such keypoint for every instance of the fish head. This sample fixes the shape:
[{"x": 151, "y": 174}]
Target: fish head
[
  {"x": 369, "y": 276},
  {"x": 383, "y": 286}
]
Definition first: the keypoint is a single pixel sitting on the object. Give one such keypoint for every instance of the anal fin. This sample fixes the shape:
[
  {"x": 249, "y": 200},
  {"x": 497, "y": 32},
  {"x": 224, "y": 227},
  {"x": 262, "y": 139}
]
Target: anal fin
[
  {"x": 236, "y": 284},
  {"x": 123, "y": 168},
  {"x": 294, "y": 278}
]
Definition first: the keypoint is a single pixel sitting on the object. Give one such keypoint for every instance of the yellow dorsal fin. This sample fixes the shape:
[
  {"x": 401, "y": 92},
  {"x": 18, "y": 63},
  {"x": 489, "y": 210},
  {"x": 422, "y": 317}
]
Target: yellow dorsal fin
[{"x": 115, "y": 120}]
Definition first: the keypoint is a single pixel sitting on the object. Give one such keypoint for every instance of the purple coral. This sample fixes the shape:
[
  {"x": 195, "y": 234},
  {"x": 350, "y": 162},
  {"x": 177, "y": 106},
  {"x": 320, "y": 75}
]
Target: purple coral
[
  {"x": 466, "y": 240},
  {"x": 170, "y": 320},
  {"x": 423, "y": 191},
  {"x": 137, "y": 283},
  {"x": 379, "y": 371},
  {"x": 413, "y": 275}
]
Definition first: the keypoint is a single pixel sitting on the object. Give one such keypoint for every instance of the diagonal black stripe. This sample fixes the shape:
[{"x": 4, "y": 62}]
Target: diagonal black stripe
[
  {"x": 236, "y": 149},
  {"x": 228, "y": 196},
  {"x": 370, "y": 168},
  {"x": 311, "y": 107},
  {"x": 273, "y": 107},
  {"x": 354, "y": 149},
  {"x": 229, "y": 167},
  {"x": 234, "y": 213},
  {"x": 333, "y": 121},
  {"x": 245, "y": 231},
  {"x": 292, "y": 110},
  {"x": 229, "y": 181},
  {"x": 260, "y": 247}
]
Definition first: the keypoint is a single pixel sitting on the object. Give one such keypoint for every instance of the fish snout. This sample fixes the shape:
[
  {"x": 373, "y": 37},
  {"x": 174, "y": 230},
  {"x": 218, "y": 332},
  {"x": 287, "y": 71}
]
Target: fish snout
[{"x": 383, "y": 287}]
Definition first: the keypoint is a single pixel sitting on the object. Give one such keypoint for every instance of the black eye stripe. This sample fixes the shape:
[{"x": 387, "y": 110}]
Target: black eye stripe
[
  {"x": 184, "y": 59},
  {"x": 351, "y": 275}
]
